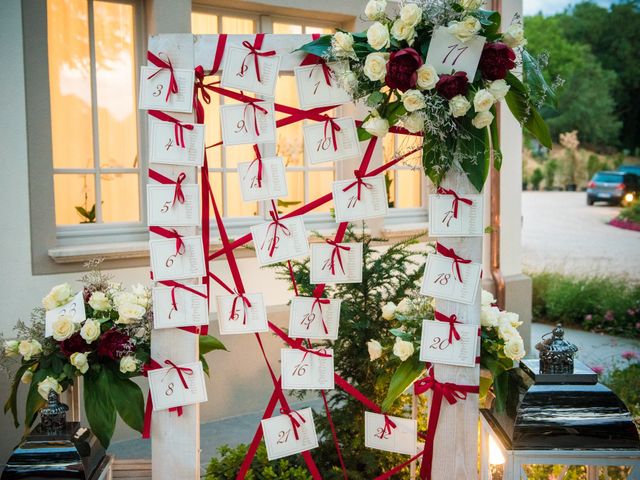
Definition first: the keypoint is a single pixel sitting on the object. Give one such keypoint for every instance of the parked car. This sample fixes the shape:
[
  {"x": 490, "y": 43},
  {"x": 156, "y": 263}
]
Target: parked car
[
  {"x": 615, "y": 188},
  {"x": 635, "y": 169}
]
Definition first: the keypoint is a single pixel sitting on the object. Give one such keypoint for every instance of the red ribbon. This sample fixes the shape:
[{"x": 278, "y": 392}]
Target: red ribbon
[
  {"x": 245, "y": 304},
  {"x": 178, "y": 194},
  {"x": 457, "y": 260},
  {"x": 275, "y": 223},
  {"x": 452, "y": 320},
  {"x": 259, "y": 160},
  {"x": 181, "y": 372},
  {"x": 319, "y": 302},
  {"x": 326, "y": 70},
  {"x": 217, "y": 59},
  {"x": 334, "y": 128},
  {"x": 148, "y": 411},
  {"x": 451, "y": 393},
  {"x": 335, "y": 253},
  {"x": 388, "y": 425},
  {"x": 294, "y": 421},
  {"x": 252, "y": 103},
  {"x": 360, "y": 183},
  {"x": 178, "y": 125},
  {"x": 254, "y": 50},
  {"x": 456, "y": 199},
  {"x": 170, "y": 233},
  {"x": 162, "y": 65}
]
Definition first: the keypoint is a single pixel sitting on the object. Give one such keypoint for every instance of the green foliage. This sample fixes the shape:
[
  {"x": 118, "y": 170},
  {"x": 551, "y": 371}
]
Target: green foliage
[
  {"x": 624, "y": 380},
  {"x": 525, "y": 112},
  {"x": 550, "y": 170},
  {"x": 631, "y": 213},
  {"x": 127, "y": 398},
  {"x": 536, "y": 179},
  {"x": 88, "y": 216},
  {"x": 594, "y": 164},
  {"x": 598, "y": 304},
  {"x": 99, "y": 406}
]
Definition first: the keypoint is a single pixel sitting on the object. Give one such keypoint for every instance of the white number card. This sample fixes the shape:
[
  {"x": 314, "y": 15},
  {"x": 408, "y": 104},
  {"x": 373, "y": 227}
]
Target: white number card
[
  {"x": 239, "y": 71},
  {"x": 435, "y": 346},
  {"x": 164, "y": 207},
  {"x": 369, "y": 203},
  {"x": 447, "y": 54},
  {"x": 443, "y": 221},
  {"x": 314, "y": 318},
  {"x": 441, "y": 279},
  {"x": 167, "y": 264},
  {"x": 284, "y": 240},
  {"x": 155, "y": 85},
  {"x": 168, "y": 391},
  {"x": 389, "y": 433},
  {"x": 164, "y": 147},
  {"x": 178, "y": 307},
  {"x": 286, "y": 435},
  {"x": 341, "y": 263},
  {"x": 305, "y": 370},
  {"x": 242, "y": 315},
  {"x": 248, "y": 123},
  {"x": 271, "y": 184},
  {"x": 74, "y": 308},
  {"x": 318, "y": 85},
  {"x": 331, "y": 141}
]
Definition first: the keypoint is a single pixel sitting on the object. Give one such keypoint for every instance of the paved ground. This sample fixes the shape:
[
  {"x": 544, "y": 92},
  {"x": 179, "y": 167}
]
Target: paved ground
[{"x": 561, "y": 233}]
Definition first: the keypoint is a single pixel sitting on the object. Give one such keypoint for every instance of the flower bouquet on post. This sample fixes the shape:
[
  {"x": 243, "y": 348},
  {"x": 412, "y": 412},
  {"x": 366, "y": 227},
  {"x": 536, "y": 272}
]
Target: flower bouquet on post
[{"x": 102, "y": 334}]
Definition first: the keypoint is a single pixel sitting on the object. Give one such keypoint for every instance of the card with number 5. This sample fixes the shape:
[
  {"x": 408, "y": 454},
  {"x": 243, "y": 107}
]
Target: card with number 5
[{"x": 448, "y": 54}]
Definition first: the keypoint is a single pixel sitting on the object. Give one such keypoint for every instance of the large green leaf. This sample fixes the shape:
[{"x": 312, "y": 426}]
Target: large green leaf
[
  {"x": 526, "y": 113},
  {"x": 209, "y": 344},
  {"x": 317, "y": 47},
  {"x": 495, "y": 141},
  {"x": 541, "y": 91},
  {"x": 404, "y": 376},
  {"x": 128, "y": 399},
  {"x": 34, "y": 401},
  {"x": 433, "y": 150},
  {"x": 475, "y": 153},
  {"x": 12, "y": 401},
  {"x": 100, "y": 409}
]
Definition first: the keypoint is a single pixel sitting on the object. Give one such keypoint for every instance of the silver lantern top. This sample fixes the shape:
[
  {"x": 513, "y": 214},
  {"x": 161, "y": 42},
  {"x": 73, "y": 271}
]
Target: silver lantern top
[
  {"x": 53, "y": 417},
  {"x": 556, "y": 354}
]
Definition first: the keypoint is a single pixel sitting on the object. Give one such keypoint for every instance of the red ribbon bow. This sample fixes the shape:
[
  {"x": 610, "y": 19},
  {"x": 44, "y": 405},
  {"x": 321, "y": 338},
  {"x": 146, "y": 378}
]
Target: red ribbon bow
[
  {"x": 275, "y": 223},
  {"x": 457, "y": 260},
  {"x": 245, "y": 304},
  {"x": 148, "y": 411},
  {"x": 179, "y": 243},
  {"x": 456, "y": 199},
  {"x": 178, "y": 194},
  {"x": 294, "y": 422},
  {"x": 252, "y": 104},
  {"x": 254, "y": 50},
  {"x": 335, "y": 253},
  {"x": 388, "y": 425},
  {"x": 162, "y": 65},
  {"x": 453, "y": 319},
  {"x": 259, "y": 160},
  {"x": 174, "y": 304},
  {"x": 181, "y": 372},
  {"x": 179, "y": 132},
  {"x": 334, "y": 128},
  {"x": 359, "y": 182},
  {"x": 319, "y": 302},
  {"x": 326, "y": 70}
]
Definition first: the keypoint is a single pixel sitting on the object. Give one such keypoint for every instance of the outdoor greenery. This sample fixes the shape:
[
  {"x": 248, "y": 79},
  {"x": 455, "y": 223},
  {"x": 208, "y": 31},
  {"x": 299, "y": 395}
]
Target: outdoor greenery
[
  {"x": 624, "y": 379},
  {"x": 600, "y": 304},
  {"x": 631, "y": 213}
]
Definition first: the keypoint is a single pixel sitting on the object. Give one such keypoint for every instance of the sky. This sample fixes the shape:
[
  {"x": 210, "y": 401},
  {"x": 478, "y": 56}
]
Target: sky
[{"x": 549, "y": 7}]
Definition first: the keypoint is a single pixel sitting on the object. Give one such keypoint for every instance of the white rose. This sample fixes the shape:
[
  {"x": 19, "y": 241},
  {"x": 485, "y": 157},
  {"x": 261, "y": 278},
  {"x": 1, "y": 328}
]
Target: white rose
[
  {"x": 402, "y": 349},
  {"x": 376, "y": 126},
  {"x": 427, "y": 77},
  {"x": 482, "y": 119},
  {"x": 413, "y": 122},
  {"x": 123, "y": 298},
  {"x": 405, "y": 306},
  {"x": 11, "y": 348},
  {"x": 29, "y": 348},
  {"x": 348, "y": 81},
  {"x": 403, "y": 31},
  {"x": 459, "y": 106},
  {"x": 129, "y": 312},
  {"x": 487, "y": 299},
  {"x": 388, "y": 310},
  {"x": 342, "y": 44},
  {"x": 375, "y": 349},
  {"x": 483, "y": 100},
  {"x": 59, "y": 295},
  {"x": 511, "y": 318},
  {"x": 80, "y": 361},
  {"x": 375, "y": 66},
  {"x": 378, "y": 36},
  {"x": 90, "y": 330},
  {"x": 466, "y": 29},
  {"x": 27, "y": 376},
  {"x": 128, "y": 364},
  {"x": 514, "y": 349},
  {"x": 413, "y": 100},
  {"x": 375, "y": 9},
  {"x": 514, "y": 36},
  {"x": 507, "y": 332},
  {"x": 411, "y": 14},
  {"x": 63, "y": 327},
  {"x": 48, "y": 384},
  {"x": 489, "y": 316},
  {"x": 498, "y": 89},
  {"x": 99, "y": 302},
  {"x": 142, "y": 294}
]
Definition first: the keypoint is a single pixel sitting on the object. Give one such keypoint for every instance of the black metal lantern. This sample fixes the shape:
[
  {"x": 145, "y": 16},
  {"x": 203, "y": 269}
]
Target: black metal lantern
[{"x": 556, "y": 354}]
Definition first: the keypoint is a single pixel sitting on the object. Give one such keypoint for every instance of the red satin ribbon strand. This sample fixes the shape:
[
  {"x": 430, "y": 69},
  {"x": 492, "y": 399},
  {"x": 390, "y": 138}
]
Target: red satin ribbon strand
[
  {"x": 388, "y": 424},
  {"x": 245, "y": 305},
  {"x": 255, "y": 108},
  {"x": 334, "y": 434},
  {"x": 182, "y": 371},
  {"x": 178, "y": 125},
  {"x": 170, "y": 233},
  {"x": 174, "y": 304},
  {"x": 296, "y": 423},
  {"x": 178, "y": 194},
  {"x": 326, "y": 70},
  {"x": 335, "y": 253},
  {"x": 217, "y": 59},
  {"x": 457, "y": 260},
  {"x": 275, "y": 223},
  {"x": 254, "y": 50},
  {"x": 162, "y": 65},
  {"x": 359, "y": 182},
  {"x": 451, "y": 320},
  {"x": 330, "y": 122},
  {"x": 258, "y": 159},
  {"x": 319, "y": 302},
  {"x": 456, "y": 199},
  {"x": 174, "y": 284}
]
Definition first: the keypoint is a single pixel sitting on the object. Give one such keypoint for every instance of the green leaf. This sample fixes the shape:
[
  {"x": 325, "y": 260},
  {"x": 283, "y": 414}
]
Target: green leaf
[
  {"x": 394, "y": 111},
  {"x": 375, "y": 98},
  {"x": 318, "y": 47},
  {"x": 34, "y": 401},
  {"x": 490, "y": 20},
  {"x": 209, "y": 344},
  {"x": 12, "y": 401},
  {"x": 205, "y": 365},
  {"x": 485, "y": 385},
  {"x": 494, "y": 136},
  {"x": 401, "y": 333},
  {"x": 363, "y": 134},
  {"x": 500, "y": 387},
  {"x": 540, "y": 90},
  {"x": 128, "y": 399},
  {"x": 476, "y": 155},
  {"x": 99, "y": 407},
  {"x": 488, "y": 229},
  {"x": 521, "y": 107},
  {"x": 404, "y": 376},
  {"x": 433, "y": 150}
]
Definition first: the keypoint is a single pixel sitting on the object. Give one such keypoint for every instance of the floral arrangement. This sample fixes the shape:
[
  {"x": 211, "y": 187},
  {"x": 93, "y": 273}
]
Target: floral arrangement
[
  {"x": 109, "y": 348},
  {"x": 455, "y": 114},
  {"x": 501, "y": 344}
]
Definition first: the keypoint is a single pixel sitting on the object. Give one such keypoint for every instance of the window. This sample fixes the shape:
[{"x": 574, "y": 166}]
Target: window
[
  {"x": 94, "y": 120},
  {"x": 405, "y": 181}
]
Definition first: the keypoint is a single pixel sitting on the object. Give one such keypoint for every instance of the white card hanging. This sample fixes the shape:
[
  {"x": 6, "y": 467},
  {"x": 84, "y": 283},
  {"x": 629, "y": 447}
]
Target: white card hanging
[
  {"x": 305, "y": 370},
  {"x": 236, "y": 316},
  {"x": 74, "y": 309},
  {"x": 316, "y": 90},
  {"x": 314, "y": 318},
  {"x": 319, "y": 145},
  {"x": 167, "y": 389},
  {"x": 436, "y": 348},
  {"x": 448, "y": 54},
  {"x": 239, "y": 71},
  {"x": 163, "y": 209},
  {"x": 389, "y": 433},
  {"x": 341, "y": 264},
  {"x": 192, "y": 309},
  {"x": 178, "y": 47},
  {"x": 280, "y": 438},
  {"x": 275, "y": 243},
  {"x": 273, "y": 182},
  {"x": 155, "y": 89},
  {"x": 239, "y": 122},
  {"x": 441, "y": 279},
  {"x": 167, "y": 264},
  {"x": 164, "y": 146},
  {"x": 443, "y": 221},
  {"x": 372, "y": 203}
]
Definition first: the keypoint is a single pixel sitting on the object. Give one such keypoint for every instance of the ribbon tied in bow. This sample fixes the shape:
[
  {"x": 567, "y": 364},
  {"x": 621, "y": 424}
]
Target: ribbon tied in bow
[
  {"x": 296, "y": 423},
  {"x": 335, "y": 253},
  {"x": 330, "y": 122},
  {"x": 276, "y": 224},
  {"x": 456, "y": 199},
  {"x": 162, "y": 65},
  {"x": 256, "y": 53},
  {"x": 258, "y": 159},
  {"x": 319, "y": 302},
  {"x": 457, "y": 260},
  {"x": 245, "y": 305},
  {"x": 452, "y": 320},
  {"x": 359, "y": 182},
  {"x": 255, "y": 109},
  {"x": 182, "y": 371}
]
